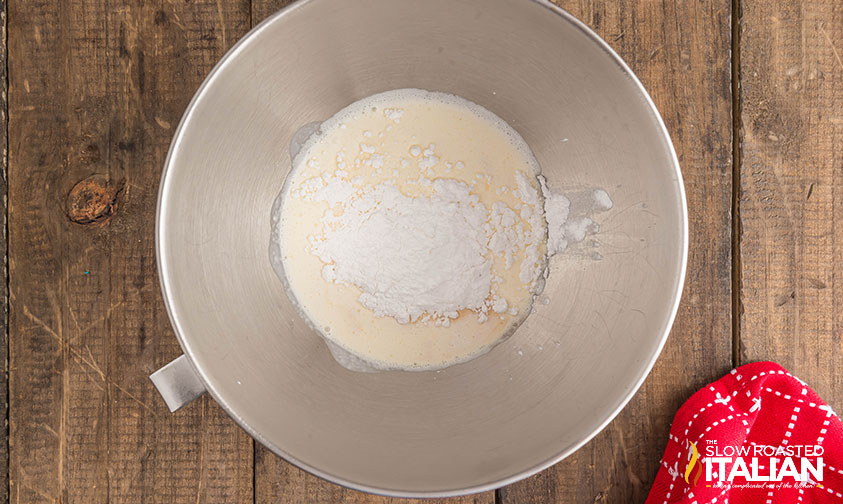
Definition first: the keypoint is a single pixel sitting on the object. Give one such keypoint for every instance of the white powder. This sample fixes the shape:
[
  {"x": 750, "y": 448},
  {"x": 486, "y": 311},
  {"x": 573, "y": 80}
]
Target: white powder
[
  {"x": 499, "y": 305},
  {"x": 429, "y": 159},
  {"x": 409, "y": 256},
  {"x": 393, "y": 114},
  {"x": 427, "y": 257},
  {"x": 532, "y": 264},
  {"x": 509, "y": 237},
  {"x": 375, "y": 161},
  {"x": 569, "y": 217},
  {"x": 504, "y": 235},
  {"x": 556, "y": 209},
  {"x": 602, "y": 199}
]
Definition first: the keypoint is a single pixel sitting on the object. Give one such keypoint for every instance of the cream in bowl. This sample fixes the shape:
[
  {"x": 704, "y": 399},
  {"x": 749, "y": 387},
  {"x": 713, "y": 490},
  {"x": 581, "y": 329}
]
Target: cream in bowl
[{"x": 413, "y": 231}]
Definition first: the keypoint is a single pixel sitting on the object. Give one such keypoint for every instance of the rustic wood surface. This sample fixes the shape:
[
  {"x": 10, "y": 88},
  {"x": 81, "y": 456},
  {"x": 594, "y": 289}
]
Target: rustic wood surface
[
  {"x": 95, "y": 89},
  {"x": 791, "y": 204},
  {"x": 4, "y": 290}
]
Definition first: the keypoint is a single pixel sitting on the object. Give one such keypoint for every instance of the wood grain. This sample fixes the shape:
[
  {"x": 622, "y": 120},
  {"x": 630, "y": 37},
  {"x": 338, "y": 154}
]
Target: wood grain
[
  {"x": 791, "y": 205},
  {"x": 96, "y": 91},
  {"x": 4, "y": 289},
  {"x": 95, "y": 95},
  {"x": 680, "y": 51}
]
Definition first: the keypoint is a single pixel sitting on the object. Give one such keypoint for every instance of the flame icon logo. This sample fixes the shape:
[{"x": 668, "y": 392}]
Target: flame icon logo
[{"x": 695, "y": 456}]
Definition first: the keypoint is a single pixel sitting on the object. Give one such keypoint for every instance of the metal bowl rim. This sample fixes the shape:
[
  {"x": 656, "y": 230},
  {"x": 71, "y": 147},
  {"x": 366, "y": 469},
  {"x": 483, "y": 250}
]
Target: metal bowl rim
[{"x": 160, "y": 245}]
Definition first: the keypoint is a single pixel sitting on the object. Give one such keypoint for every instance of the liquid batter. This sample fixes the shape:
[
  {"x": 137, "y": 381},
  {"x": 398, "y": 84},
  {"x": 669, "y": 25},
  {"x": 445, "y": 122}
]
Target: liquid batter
[{"x": 412, "y": 232}]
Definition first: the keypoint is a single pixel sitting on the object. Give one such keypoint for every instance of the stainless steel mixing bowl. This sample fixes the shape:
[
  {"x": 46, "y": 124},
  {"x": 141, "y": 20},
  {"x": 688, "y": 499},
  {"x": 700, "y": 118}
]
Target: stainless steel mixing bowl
[{"x": 533, "y": 399}]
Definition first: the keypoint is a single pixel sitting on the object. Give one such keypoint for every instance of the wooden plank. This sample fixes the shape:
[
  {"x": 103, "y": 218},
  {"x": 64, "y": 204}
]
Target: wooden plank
[
  {"x": 4, "y": 292},
  {"x": 262, "y": 9},
  {"x": 96, "y": 91},
  {"x": 680, "y": 51},
  {"x": 791, "y": 205}
]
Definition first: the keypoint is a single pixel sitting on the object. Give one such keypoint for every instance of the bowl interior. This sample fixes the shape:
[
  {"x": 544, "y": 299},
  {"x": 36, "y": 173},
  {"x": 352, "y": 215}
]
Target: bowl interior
[{"x": 533, "y": 399}]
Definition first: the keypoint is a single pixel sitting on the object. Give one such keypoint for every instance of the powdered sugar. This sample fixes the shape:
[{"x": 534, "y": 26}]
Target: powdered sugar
[
  {"x": 393, "y": 114},
  {"x": 409, "y": 256},
  {"x": 556, "y": 209},
  {"x": 569, "y": 218},
  {"x": 397, "y": 223},
  {"x": 601, "y": 199},
  {"x": 532, "y": 263},
  {"x": 424, "y": 257}
]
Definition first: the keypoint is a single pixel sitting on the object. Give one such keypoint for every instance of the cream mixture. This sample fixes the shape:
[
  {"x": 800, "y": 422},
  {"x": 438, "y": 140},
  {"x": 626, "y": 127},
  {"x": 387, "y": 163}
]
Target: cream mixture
[{"x": 412, "y": 229}]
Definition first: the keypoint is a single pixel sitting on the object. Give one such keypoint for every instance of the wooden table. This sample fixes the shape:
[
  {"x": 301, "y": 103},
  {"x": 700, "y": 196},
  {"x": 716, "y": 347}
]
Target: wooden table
[{"x": 751, "y": 90}]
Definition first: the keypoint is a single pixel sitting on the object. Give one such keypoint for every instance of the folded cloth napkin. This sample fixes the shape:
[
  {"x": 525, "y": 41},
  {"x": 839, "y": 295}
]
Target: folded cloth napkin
[{"x": 757, "y": 435}]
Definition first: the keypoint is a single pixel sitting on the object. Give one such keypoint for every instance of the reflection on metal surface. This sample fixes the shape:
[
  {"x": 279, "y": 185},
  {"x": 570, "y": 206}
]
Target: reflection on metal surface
[
  {"x": 564, "y": 374},
  {"x": 177, "y": 383}
]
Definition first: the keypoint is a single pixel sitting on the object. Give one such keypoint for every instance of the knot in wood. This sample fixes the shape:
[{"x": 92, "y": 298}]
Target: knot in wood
[{"x": 93, "y": 200}]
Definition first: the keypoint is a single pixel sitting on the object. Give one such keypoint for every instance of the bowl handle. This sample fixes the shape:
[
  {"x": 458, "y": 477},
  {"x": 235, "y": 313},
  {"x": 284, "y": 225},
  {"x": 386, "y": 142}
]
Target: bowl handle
[{"x": 178, "y": 383}]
